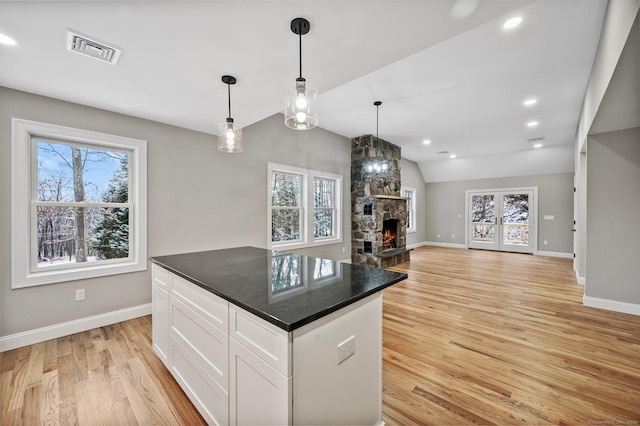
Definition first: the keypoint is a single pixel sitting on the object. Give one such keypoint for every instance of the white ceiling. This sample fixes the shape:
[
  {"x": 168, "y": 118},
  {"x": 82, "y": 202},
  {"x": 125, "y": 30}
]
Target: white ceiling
[{"x": 444, "y": 69}]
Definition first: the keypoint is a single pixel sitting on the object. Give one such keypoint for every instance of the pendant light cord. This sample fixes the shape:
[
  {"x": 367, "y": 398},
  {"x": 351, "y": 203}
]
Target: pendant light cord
[
  {"x": 300, "y": 51},
  {"x": 377, "y": 111},
  {"x": 229, "y": 97}
]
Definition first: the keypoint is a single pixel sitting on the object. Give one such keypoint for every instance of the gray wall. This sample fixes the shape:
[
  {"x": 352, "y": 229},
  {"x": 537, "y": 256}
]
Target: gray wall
[
  {"x": 198, "y": 198},
  {"x": 412, "y": 177},
  {"x": 613, "y": 203},
  {"x": 445, "y": 201}
]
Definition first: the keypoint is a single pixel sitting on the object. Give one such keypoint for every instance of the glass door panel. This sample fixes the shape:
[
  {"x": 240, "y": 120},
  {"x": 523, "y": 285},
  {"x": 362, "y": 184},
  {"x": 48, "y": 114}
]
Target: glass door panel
[
  {"x": 484, "y": 214},
  {"x": 516, "y": 222}
]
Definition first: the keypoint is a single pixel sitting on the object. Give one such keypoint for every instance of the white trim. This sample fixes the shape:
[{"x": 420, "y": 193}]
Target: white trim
[
  {"x": 611, "y": 305},
  {"x": 43, "y": 334},
  {"x": 21, "y": 225},
  {"x": 416, "y": 245},
  {"x": 554, "y": 254},
  {"x": 438, "y": 244},
  {"x": 580, "y": 280},
  {"x": 414, "y": 211}
]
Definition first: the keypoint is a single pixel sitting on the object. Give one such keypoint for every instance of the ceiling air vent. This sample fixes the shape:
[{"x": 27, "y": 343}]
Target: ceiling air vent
[
  {"x": 442, "y": 152},
  {"x": 91, "y": 47},
  {"x": 536, "y": 140}
]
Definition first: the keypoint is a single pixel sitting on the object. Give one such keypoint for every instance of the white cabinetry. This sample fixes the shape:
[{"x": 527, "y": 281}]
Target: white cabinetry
[
  {"x": 160, "y": 312},
  {"x": 199, "y": 339},
  {"x": 239, "y": 369}
]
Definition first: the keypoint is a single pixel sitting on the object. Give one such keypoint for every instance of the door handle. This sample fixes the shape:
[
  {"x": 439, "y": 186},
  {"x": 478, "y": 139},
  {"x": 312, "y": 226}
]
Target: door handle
[{"x": 573, "y": 230}]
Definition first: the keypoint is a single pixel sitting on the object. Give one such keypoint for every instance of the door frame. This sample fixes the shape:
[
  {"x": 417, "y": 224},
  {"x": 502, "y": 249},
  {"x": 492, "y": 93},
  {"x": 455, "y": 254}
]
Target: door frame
[{"x": 533, "y": 234}]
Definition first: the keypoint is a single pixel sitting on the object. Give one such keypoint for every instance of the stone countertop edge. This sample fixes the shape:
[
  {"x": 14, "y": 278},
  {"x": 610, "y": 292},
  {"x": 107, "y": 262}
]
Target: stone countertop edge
[{"x": 288, "y": 327}]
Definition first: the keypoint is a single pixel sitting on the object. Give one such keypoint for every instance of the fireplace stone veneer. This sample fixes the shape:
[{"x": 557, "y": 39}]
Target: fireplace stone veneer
[{"x": 375, "y": 198}]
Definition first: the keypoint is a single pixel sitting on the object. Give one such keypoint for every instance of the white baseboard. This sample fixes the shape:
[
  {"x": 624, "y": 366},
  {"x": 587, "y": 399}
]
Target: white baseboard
[
  {"x": 439, "y": 244},
  {"x": 38, "y": 335},
  {"x": 555, "y": 254},
  {"x": 611, "y": 305},
  {"x": 416, "y": 245},
  {"x": 580, "y": 280}
]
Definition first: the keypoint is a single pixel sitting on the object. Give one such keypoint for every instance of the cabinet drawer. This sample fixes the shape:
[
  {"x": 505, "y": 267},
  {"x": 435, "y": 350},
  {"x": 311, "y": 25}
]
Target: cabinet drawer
[
  {"x": 160, "y": 276},
  {"x": 206, "y": 343},
  {"x": 211, "y": 400},
  {"x": 215, "y": 309},
  {"x": 268, "y": 342}
]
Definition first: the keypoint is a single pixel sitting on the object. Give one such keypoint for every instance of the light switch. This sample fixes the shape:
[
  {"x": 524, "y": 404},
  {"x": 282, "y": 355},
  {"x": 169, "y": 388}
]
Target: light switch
[{"x": 549, "y": 217}]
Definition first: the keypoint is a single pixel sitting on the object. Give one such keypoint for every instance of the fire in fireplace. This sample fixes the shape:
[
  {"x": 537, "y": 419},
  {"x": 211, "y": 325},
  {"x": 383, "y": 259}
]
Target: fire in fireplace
[{"x": 389, "y": 234}]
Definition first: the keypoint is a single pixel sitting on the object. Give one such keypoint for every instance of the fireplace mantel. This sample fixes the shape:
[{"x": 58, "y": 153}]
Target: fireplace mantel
[{"x": 388, "y": 197}]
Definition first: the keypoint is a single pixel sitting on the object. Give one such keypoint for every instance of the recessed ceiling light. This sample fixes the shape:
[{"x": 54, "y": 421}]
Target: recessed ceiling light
[
  {"x": 426, "y": 141},
  {"x": 512, "y": 23},
  {"x": 532, "y": 124},
  {"x": 452, "y": 156},
  {"x": 538, "y": 145},
  {"x": 530, "y": 102},
  {"x": 5, "y": 39}
]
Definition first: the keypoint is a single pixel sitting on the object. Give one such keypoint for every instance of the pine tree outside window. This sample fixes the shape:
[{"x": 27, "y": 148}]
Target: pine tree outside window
[
  {"x": 304, "y": 207},
  {"x": 80, "y": 204}
]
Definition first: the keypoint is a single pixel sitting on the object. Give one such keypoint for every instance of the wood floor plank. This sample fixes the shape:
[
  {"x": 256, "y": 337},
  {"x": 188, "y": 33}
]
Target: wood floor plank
[{"x": 50, "y": 405}]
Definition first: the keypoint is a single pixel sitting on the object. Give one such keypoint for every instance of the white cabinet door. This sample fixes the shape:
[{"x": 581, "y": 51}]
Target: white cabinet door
[
  {"x": 160, "y": 322},
  {"x": 258, "y": 393}
]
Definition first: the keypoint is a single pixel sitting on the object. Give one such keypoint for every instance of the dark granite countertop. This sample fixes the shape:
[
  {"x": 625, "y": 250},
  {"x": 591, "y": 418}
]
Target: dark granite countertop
[{"x": 286, "y": 289}]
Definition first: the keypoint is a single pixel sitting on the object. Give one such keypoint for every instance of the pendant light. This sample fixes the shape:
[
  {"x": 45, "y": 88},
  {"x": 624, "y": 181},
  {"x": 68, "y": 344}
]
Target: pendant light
[
  {"x": 300, "y": 97},
  {"x": 375, "y": 167},
  {"x": 229, "y": 134}
]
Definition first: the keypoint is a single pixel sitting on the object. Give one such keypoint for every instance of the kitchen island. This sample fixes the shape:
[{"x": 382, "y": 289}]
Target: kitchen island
[{"x": 255, "y": 336}]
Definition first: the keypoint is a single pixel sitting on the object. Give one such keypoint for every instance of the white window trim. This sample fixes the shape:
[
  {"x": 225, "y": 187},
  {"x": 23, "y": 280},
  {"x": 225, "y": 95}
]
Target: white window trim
[
  {"x": 21, "y": 226},
  {"x": 413, "y": 205},
  {"x": 306, "y": 239}
]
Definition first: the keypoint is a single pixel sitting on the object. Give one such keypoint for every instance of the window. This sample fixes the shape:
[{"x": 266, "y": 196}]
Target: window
[
  {"x": 410, "y": 195},
  {"x": 304, "y": 207},
  {"x": 324, "y": 210},
  {"x": 79, "y": 204}
]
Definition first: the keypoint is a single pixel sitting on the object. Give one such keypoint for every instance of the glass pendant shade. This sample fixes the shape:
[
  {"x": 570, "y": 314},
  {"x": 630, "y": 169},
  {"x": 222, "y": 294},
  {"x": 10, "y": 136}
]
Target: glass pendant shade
[
  {"x": 229, "y": 137},
  {"x": 300, "y": 106},
  {"x": 229, "y": 133}
]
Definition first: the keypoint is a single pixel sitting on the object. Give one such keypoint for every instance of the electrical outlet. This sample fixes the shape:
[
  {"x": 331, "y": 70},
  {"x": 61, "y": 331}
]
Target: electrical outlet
[
  {"x": 346, "y": 349},
  {"x": 79, "y": 294},
  {"x": 453, "y": 236},
  {"x": 545, "y": 242},
  {"x": 344, "y": 249},
  {"x": 438, "y": 235}
]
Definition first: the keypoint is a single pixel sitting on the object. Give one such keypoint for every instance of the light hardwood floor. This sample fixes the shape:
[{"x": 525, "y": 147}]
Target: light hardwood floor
[
  {"x": 471, "y": 337},
  {"x": 480, "y": 337}
]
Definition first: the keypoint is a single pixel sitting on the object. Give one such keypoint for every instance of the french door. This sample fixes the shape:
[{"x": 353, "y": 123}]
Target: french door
[{"x": 502, "y": 220}]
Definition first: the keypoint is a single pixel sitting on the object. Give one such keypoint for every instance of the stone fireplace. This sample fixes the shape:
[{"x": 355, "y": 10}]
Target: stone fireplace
[{"x": 378, "y": 212}]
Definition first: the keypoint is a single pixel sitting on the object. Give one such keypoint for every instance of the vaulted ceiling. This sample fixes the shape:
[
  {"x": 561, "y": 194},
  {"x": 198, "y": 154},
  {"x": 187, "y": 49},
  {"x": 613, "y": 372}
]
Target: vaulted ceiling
[{"x": 445, "y": 70}]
